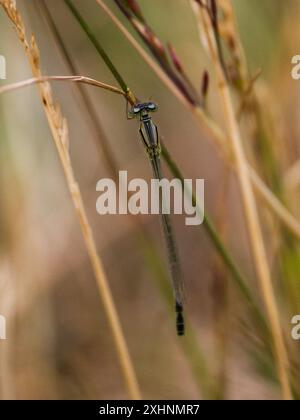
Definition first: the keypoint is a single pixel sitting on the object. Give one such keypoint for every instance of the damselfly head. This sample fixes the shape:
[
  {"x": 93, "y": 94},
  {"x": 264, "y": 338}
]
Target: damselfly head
[{"x": 143, "y": 108}]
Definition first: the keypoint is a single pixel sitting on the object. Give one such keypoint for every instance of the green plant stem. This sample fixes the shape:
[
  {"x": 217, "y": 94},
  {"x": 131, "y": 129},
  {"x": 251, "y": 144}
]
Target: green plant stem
[{"x": 98, "y": 47}]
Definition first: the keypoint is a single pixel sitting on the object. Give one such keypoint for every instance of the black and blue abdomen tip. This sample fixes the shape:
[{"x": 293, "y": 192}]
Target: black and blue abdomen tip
[{"x": 180, "y": 325}]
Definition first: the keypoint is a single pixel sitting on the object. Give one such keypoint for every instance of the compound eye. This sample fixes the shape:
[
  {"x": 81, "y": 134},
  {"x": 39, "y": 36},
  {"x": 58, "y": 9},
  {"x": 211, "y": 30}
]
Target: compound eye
[
  {"x": 135, "y": 110},
  {"x": 152, "y": 107}
]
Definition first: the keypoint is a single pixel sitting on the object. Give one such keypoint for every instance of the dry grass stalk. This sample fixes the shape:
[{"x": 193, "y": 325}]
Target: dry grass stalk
[
  {"x": 292, "y": 176},
  {"x": 230, "y": 36},
  {"x": 59, "y": 130},
  {"x": 254, "y": 229},
  {"x": 213, "y": 131},
  {"x": 74, "y": 79}
]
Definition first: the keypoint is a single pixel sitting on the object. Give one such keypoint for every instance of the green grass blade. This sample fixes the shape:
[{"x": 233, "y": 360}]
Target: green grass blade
[{"x": 97, "y": 45}]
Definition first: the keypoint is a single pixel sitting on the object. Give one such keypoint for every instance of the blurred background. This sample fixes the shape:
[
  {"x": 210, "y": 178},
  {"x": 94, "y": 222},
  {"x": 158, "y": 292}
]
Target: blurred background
[{"x": 59, "y": 345}]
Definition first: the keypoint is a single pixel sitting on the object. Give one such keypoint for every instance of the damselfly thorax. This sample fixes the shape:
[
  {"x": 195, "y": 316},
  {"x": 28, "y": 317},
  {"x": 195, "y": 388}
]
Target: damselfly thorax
[{"x": 148, "y": 129}]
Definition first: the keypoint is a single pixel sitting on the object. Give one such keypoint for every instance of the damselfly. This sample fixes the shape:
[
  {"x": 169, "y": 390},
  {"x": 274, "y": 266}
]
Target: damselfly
[{"x": 151, "y": 142}]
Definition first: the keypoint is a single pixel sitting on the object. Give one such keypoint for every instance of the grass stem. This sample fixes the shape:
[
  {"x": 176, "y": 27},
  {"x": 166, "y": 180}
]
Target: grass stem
[
  {"x": 74, "y": 79},
  {"x": 59, "y": 130},
  {"x": 254, "y": 229}
]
